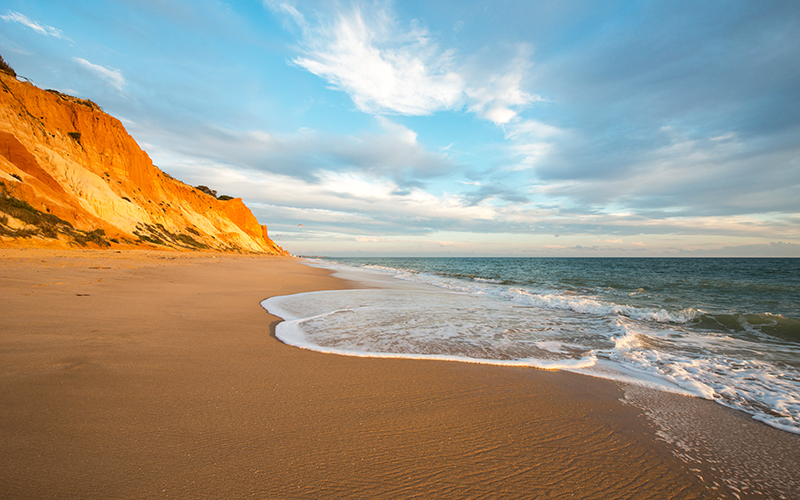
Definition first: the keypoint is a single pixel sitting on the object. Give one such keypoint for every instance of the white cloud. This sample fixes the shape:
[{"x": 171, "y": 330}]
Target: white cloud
[
  {"x": 349, "y": 202},
  {"x": 527, "y": 129},
  {"x": 690, "y": 175},
  {"x": 724, "y": 137},
  {"x": 112, "y": 76},
  {"x": 392, "y": 151},
  {"x": 496, "y": 98},
  {"x": 289, "y": 9},
  {"x": 403, "y": 134},
  {"x": 43, "y": 29},
  {"x": 531, "y": 141},
  {"x": 373, "y": 200},
  {"x": 530, "y": 153},
  {"x": 381, "y": 67},
  {"x": 389, "y": 68}
]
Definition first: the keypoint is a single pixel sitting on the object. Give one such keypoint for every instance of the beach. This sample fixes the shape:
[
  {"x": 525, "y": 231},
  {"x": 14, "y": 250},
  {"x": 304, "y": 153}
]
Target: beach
[{"x": 146, "y": 374}]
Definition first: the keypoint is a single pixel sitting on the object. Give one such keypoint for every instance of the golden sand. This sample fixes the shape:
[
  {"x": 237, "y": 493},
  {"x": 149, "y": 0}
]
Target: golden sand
[{"x": 157, "y": 375}]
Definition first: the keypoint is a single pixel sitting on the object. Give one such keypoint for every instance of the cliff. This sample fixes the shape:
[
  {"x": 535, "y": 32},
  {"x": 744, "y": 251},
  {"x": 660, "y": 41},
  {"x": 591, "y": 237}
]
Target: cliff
[{"x": 70, "y": 175}]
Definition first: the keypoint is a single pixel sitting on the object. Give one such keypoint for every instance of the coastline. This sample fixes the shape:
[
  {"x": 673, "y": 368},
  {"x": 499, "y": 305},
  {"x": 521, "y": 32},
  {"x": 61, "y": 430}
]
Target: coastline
[{"x": 142, "y": 373}]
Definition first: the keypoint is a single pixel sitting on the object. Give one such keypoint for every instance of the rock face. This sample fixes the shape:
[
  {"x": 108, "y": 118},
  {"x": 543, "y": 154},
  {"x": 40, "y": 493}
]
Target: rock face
[{"x": 70, "y": 175}]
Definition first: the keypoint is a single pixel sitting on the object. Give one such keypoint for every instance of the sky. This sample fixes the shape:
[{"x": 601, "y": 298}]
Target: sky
[{"x": 454, "y": 128}]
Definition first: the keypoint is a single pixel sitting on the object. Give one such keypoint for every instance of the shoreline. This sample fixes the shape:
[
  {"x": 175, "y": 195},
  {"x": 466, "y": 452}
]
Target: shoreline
[
  {"x": 729, "y": 449},
  {"x": 147, "y": 373}
]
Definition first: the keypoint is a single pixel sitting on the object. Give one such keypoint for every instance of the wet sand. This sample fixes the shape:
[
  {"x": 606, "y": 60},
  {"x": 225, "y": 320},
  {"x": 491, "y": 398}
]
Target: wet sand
[{"x": 157, "y": 375}]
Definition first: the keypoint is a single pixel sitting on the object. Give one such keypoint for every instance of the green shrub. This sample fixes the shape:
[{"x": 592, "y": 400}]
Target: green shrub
[
  {"x": 41, "y": 223},
  {"x": 207, "y": 190},
  {"x": 22, "y": 210},
  {"x": 188, "y": 240}
]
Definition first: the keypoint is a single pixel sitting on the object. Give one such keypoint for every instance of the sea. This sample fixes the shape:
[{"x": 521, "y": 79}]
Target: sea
[{"x": 723, "y": 329}]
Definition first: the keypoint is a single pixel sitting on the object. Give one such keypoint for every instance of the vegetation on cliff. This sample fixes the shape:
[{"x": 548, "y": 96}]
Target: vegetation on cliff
[
  {"x": 5, "y": 68},
  {"x": 40, "y": 224}
]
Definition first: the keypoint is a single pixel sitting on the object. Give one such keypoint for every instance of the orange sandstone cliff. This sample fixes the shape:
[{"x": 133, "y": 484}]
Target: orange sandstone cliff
[{"x": 70, "y": 175}]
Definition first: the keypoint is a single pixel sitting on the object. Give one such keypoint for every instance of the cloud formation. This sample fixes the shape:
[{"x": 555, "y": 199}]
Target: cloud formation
[
  {"x": 112, "y": 76},
  {"x": 498, "y": 96},
  {"x": 40, "y": 28},
  {"x": 382, "y": 68},
  {"x": 672, "y": 114},
  {"x": 391, "y": 152},
  {"x": 386, "y": 67},
  {"x": 348, "y": 200}
]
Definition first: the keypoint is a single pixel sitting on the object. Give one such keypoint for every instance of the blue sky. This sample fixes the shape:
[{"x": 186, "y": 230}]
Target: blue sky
[{"x": 549, "y": 128}]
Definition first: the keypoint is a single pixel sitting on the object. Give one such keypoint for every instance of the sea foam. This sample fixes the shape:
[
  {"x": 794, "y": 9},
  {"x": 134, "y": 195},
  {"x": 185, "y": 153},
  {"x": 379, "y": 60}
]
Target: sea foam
[{"x": 418, "y": 315}]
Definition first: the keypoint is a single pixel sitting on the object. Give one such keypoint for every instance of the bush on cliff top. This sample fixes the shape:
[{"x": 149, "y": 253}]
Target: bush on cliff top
[
  {"x": 212, "y": 192},
  {"x": 5, "y": 68},
  {"x": 207, "y": 190}
]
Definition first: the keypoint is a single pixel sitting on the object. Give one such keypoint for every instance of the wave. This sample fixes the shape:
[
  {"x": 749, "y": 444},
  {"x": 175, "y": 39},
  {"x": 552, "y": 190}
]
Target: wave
[
  {"x": 542, "y": 298},
  {"x": 589, "y": 305},
  {"x": 774, "y": 325},
  {"x": 729, "y": 374}
]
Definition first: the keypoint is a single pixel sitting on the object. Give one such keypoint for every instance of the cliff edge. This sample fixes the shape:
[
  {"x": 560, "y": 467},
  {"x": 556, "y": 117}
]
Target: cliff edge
[{"x": 71, "y": 175}]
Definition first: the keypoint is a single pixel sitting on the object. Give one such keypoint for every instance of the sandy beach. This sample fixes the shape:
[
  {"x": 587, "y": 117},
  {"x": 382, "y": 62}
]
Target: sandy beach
[{"x": 143, "y": 374}]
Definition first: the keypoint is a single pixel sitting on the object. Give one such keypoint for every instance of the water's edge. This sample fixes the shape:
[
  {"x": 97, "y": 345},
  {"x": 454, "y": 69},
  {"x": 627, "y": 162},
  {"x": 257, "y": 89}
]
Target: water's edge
[{"x": 348, "y": 305}]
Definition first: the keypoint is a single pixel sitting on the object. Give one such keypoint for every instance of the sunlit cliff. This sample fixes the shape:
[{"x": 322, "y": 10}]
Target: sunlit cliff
[{"x": 71, "y": 176}]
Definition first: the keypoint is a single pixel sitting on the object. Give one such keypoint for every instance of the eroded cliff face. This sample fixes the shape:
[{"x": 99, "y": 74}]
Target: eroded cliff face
[{"x": 71, "y": 175}]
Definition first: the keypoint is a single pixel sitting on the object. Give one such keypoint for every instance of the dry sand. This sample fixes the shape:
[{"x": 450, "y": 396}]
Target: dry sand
[{"x": 156, "y": 375}]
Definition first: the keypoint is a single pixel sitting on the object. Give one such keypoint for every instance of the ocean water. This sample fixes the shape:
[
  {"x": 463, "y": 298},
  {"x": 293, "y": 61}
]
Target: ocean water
[{"x": 720, "y": 329}]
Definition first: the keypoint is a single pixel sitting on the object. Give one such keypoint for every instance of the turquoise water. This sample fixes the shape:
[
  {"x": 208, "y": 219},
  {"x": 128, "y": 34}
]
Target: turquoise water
[{"x": 722, "y": 329}]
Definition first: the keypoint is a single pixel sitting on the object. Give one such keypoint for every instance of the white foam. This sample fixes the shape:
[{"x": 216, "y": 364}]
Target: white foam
[
  {"x": 430, "y": 323},
  {"x": 487, "y": 280},
  {"x": 721, "y": 369},
  {"x": 290, "y": 333},
  {"x": 590, "y": 305},
  {"x": 486, "y": 323}
]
